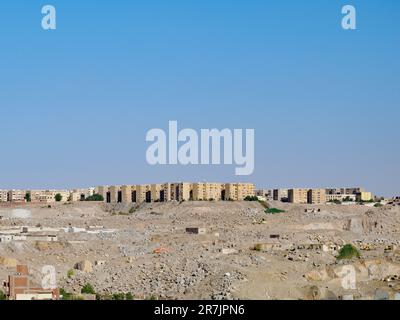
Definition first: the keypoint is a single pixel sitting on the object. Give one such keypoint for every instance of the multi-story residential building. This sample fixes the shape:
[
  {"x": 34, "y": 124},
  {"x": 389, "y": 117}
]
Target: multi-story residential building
[
  {"x": 316, "y": 196},
  {"x": 238, "y": 191},
  {"x": 48, "y": 196},
  {"x": 101, "y": 190},
  {"x": 16, "y": 195},
  {"x": 179, "y": 191},
  {"x": 265, "y": 193},
  {"x": 340, "y": 197},
  {"x": 347, "y": 191},
  {"x": 3, "y": 195},
  {"x": 280, "y": 195},
  {"x": 298, "y": 195},
  {"x": 207, "y": 191}
]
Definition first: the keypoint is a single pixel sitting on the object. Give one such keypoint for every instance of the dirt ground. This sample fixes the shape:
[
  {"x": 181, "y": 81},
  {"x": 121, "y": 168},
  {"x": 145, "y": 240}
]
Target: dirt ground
[{"x": 146, "y": 250}]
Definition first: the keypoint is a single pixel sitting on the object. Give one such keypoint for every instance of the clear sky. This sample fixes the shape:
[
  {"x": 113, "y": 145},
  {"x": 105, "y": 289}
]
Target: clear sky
[{"x": 76, "y": 102}]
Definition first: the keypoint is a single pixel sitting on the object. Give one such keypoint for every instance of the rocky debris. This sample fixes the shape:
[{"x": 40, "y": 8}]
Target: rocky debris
[
  {"x": 224, "y": 263},
  {"x": 8, "y": 262},
  {"x": 85, "y": 266}
]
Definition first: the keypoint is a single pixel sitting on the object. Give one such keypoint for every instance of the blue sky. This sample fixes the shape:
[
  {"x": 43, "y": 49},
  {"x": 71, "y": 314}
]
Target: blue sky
[{"x": 76, "y": 102}]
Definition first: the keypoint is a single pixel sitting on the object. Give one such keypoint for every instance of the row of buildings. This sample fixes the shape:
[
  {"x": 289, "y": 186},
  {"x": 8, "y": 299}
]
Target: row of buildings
[
  {"x": 44, "y": 196},
  {"x": 179, "y": 191},
  {"x": 316, "y": 195}
]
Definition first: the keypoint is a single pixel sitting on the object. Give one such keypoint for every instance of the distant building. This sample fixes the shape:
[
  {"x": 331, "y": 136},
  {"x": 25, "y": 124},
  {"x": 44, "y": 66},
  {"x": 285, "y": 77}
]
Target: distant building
[
  {"x": 179, "y": 191},
  {"x": 281, "y": 195},
  {"x": 316, "y": 196},
  {"x": 207, "y": 191},
  {"x": 340, "y": 197},
  {"x": 16, "y": 195},
  {"x": 265, "y": 193},
  {"x": 306, "y": 195},
  {"x": 347, "y": 191},
  {"x": 3, "y": 195},
  {"x": 298, "y": 195},
  {"x": 364, "y": 196}
]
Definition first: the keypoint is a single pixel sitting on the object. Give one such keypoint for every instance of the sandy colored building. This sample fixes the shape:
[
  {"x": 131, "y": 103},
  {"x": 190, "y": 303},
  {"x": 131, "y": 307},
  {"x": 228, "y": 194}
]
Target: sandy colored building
[
  {"x": 280, "y": 194},
  {"x": 3, "y": 195},
  {"x": 178, "y": 191},
  {"x": 298, "y": 195},
  {"x": 340, "y": 197},
  {"x": 364, "y": 196},
  {"x": 16, "y": 195},
  {"x": 316, "y": 196},
  {"x": 48, "y": 196},
  {"x": 267, "y": 194},
  {"x": 237, "y": 191},
  {"x": 207, "y": 191}
]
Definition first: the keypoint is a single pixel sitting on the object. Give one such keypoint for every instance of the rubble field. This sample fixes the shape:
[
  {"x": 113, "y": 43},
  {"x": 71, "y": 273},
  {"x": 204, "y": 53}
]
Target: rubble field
[{"x": 206, "y": 249}]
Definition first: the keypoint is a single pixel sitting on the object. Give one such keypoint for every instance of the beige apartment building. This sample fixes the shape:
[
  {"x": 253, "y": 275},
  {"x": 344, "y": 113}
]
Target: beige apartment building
[
  {"x": 207, "y": 191},
  {"x": 48, "y": 196},
  {"x": 179, "y": 191},
  {"x": 316, "y": 196},
  {"x": 3, "y": 195},
  {"x": 280, "y": 194},
  {"x": 340, "y": 197},
  {"x": 237, "y": 191},
  {"x": 16, "y": 195},
  {"x": 298, "y": 195}
]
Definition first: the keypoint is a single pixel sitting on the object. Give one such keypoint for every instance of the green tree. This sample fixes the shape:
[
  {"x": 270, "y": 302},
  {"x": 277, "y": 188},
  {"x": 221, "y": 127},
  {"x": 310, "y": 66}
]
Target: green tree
[
  {"x": 58, "y": 197},
  {"x": 88, "y": 289},
  {"x": 2, "y": 295},
  {"x": 95, "y": 197},
  {"x": 28, "y": 197}
]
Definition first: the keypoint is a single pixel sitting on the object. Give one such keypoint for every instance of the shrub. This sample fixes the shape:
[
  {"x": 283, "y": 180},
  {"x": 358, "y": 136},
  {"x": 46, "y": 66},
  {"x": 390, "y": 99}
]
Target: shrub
[
  {"x": 251, "y": 198},
  {"x": 377, "y": 205},
  {"x": 65, "y": 295},
  {"x": 273, "y": 210},
  {"x": 348, "y": 252},
  {"x": 70, "y": 274},
  {"x": 132, "y": 210},
  {"x": 95, "y": 197},
  {"x": 118, "y": 296},
  {"x": 2, "y": 295},
  {"x": 129, "y": 296},
  {"x": 88, "y": 289}
]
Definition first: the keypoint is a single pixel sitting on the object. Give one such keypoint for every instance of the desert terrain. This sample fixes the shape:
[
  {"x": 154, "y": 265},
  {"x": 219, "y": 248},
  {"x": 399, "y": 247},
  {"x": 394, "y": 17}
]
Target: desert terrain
[{"x": 245, "y": 253}]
